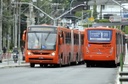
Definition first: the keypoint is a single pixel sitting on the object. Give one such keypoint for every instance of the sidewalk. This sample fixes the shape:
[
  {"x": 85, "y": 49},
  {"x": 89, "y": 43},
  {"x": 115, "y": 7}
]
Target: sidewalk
[{"x": 8, "y": 62}]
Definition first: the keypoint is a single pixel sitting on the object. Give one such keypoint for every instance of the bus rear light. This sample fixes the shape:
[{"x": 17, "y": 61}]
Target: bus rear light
[
  {"x": 111, "y": 50},
  {"x": 87, "y": 51}
]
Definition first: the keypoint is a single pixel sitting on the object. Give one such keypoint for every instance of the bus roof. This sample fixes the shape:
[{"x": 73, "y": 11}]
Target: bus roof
[
  {"x": 106, "y": 28},
  {"x": 42, "y": 25},
  {"x": 99, "y": 27}
]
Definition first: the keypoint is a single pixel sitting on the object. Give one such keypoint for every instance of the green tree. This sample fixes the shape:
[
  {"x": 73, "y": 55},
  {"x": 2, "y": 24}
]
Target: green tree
[
  {"x": 7, "y": 22},
  {"x": 95, "y": 10}
]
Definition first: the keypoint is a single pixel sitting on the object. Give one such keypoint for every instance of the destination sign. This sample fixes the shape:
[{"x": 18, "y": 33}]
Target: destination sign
[
  {"x": 45, "y": 29},
  {"x": 95, "y": 34},
  {"x": 99, "y": 35}
]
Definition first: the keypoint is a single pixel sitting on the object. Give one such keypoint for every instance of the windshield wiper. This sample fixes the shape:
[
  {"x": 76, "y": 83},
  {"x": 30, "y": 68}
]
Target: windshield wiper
[
  {"x": 47, "y": 36},
  {"x": 36, "y": 36}
]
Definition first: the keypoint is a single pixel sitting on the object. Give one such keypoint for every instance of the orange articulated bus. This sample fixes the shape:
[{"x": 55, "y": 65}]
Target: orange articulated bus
[
  {"x": 77, "y": 46},
  {"x": 51, "y": 45},
  {"x": 103, "y": 46}
]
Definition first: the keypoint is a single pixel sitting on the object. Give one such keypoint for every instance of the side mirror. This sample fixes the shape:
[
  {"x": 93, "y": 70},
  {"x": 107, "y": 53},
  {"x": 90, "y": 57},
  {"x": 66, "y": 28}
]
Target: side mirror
[{"x": 24, "y": 35}]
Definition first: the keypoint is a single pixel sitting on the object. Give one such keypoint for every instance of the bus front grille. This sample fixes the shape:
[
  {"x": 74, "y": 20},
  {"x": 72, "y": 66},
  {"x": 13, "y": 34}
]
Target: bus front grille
[
  {"x": 40, "y": 59},
  {"x": 38, "y": 53}
]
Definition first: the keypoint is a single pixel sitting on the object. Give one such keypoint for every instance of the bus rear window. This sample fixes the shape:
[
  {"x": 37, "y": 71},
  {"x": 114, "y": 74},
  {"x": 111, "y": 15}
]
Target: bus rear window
[{"x": 99, "y": 35}]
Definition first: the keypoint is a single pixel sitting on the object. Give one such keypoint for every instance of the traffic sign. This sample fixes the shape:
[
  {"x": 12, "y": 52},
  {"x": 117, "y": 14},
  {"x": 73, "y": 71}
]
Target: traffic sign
[
  {"x": 115, "y": 18},
  {"x": 91, "y": 19}
]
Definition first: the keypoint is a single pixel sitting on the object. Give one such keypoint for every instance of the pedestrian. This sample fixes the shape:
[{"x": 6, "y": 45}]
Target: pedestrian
[
  {"x": 15, "y": 50},
  {"x": 22, "y": 49},
  {"x": 4, "y": 51}
]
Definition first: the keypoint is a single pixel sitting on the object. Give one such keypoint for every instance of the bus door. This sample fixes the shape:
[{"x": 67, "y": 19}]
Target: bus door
[
  {"x": 72, "y": 44},
  {"x": 79, "y": 47}
]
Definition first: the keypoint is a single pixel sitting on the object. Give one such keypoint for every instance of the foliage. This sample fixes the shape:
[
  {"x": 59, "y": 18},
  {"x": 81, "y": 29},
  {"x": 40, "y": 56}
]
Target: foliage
[
  {"x": 102, "y": 20},
  {"x": 87, "y": 25},
  {"x": 86, "y": 13},
  {"x": 78, "y": 14},
  {"x": 25, "y": 0},
  {"x": 95, "y": 10},
  {"x": 126, "y": 29}
]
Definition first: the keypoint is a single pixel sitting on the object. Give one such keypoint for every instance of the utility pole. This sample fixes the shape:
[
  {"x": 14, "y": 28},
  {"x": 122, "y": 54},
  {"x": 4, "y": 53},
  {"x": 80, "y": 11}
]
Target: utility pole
[
  {"x": 9, "y": 30},
  {"x": 1, "y": 11},
  {"x": 37, "y": 15},
  {"x": 19, "y": 29},
  {"x": 13, "y": 38},
  {"x": 16, "y": 23},
  {"x": 32, "y": 16},
  {"x": 30, "y": 13}
]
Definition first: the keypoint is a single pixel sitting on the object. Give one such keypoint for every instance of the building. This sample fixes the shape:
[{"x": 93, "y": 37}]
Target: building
[{"x": 106, "y": 8}]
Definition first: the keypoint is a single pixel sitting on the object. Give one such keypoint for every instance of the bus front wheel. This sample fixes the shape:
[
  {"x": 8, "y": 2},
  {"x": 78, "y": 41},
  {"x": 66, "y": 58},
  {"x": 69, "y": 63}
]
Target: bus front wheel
[
  {"x": 0, "y": 61},
  {"x": 32, "y": 65},
  {"x": 87, "y": 65}
]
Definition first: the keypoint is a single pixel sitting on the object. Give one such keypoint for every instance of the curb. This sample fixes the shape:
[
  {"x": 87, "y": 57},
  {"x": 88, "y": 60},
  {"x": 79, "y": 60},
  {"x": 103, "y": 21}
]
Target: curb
[{"x": 15, "y": 65}]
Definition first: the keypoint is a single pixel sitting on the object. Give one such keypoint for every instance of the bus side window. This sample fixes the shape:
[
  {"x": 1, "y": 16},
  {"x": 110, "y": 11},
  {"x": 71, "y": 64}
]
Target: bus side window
[{"x": 61, "y": 38}]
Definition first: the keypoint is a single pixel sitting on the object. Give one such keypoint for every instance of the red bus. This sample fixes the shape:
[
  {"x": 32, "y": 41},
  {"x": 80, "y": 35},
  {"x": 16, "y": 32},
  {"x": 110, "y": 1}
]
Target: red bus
[
  {"x": 103, "y": 45},
  {"x": 50, "y": 45}
]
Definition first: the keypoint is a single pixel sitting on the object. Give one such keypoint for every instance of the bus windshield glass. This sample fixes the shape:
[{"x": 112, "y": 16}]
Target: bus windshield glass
[
  {"x": 99, "y": 35},
  {"x": 45, "y": 40}
]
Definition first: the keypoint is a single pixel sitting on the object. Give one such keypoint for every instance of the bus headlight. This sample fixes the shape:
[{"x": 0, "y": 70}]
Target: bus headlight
[
  {"x": 29, "y": 53},
  {"x": 53, "y": 54}
]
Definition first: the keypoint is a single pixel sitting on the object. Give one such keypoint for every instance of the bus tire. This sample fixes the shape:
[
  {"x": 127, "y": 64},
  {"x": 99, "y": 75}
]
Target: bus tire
[
  {"x": 88, "y": 65},
  {"x": 60, "y": 65},
  {"x": 83, "y": 62},
  {"x": 115, "y": 65},
  {"x": 41, "y": 65},
  {"x": 76, "y": 62},
  {"x": 118, "y": 64},
  {"x": 32, "y": 65},
  {"x": 0, "y": 61},
  {"x": 23, "y": 58},
  {"x": 45, "y": 65},
  {"x": 60, "y": 61},
  {"x": 69, "y": 63}
]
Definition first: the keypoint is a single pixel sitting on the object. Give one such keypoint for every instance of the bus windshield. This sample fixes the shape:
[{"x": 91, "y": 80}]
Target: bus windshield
[
  {"x": 99, "y": 35},
  {"x": 43, "y": 41}
]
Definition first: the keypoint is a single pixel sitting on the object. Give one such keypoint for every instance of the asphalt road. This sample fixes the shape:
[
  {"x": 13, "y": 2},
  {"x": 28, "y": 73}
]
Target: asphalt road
[{"x": 79, "y": 74}]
